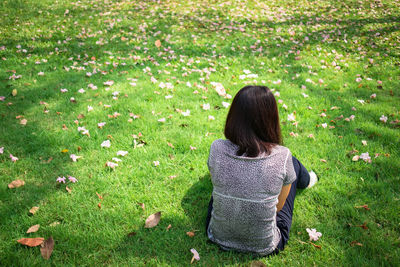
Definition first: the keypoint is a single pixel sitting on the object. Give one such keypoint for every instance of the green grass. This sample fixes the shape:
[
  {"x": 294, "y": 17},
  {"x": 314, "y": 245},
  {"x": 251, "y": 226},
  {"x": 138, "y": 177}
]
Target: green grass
[{"x": 202, "y": 42}]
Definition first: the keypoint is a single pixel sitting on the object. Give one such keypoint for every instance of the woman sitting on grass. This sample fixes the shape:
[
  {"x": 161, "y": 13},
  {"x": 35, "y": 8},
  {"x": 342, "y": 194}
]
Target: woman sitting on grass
[{"x": 254, "y": 178}]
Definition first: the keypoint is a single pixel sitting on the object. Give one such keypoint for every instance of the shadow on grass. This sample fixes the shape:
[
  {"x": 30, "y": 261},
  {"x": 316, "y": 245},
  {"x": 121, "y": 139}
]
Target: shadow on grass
[
  {"x": 154, "y": 245},
  {"x": 172, "y": 246}
]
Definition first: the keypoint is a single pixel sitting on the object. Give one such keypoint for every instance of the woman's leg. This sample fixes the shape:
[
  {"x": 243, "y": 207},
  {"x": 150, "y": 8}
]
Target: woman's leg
[
  {"x": 303, "y": 176},
  {"x": 284, "y": 216},
  {"x": 210, "y": 207}
]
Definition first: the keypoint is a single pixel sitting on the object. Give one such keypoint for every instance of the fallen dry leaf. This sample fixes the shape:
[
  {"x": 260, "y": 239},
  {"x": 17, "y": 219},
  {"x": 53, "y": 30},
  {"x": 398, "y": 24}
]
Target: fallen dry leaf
[
  {"x": 64, "y": 150},
  {"x": 47, "y": 248},
  {"x": 170, "y": 145},
  {"x": 362, "y": 206},
  {"x": 363, "y": 226},
  {"x": 169, "y": 227},
  {"x": 355, "y": 243},
  {"x": 14, "y": 92},
  {"x": 315, "y": 245},
  {"x": 16, "y": 183},
  {"x": 33, "y": 210},
  {"x": 23, "y": 121},
  {"x": 99, "y": 205},
  {"x": 132, "y": 234},
  {"x": 68, "y": 189},
  {"x": 33, "y": 228},
  {"x": 141, "y": 205},
  {"x": 31, "y": 242},
  {"x": 53, "y": 224},
  {"x": 153, "y": 220},
  {"x": 190, "y": 234},
  {"x": 323, "y": 160},
  {"x": 355, "y": 158},
  {"x": 157, "y": 43},
  {"x": 257, "y": 264}
]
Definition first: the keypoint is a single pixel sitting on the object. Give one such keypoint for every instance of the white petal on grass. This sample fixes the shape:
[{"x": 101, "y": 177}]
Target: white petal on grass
[
  {"x": 206, "y": 106},
  {"x": 196, "y": 255},
  {"x": 291, "y": 117},
  {"x": 186, "y": 113},
  {"x": 225, "y": 104},
  {"x": 314, "y": 235},
  {"x": 106, "y": 143}
]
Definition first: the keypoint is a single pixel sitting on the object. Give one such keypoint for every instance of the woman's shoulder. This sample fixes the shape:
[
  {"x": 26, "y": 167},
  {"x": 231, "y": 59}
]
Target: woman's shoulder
[
  {"x": 222, "y": 144},
  {"x": 280, "y": 149}
]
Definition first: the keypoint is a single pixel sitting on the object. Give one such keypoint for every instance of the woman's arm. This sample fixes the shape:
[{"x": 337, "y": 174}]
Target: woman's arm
[{"x": 282, "y": 197}]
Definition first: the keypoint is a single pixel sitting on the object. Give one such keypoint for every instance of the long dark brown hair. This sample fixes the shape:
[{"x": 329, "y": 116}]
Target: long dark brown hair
[{"x": 253, "y": 121}]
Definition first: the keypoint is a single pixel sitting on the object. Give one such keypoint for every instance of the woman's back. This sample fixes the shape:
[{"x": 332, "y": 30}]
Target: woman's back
[{"x": 245, "y": 192}]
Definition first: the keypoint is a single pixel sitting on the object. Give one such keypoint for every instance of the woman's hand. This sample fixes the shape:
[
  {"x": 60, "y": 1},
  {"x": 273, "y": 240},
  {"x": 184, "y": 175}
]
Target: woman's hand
[{"x": 282, "y": 197}]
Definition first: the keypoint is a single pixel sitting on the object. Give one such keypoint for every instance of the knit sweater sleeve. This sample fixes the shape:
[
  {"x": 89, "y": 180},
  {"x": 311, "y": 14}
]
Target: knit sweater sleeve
[{"x": 290, "y": 174}]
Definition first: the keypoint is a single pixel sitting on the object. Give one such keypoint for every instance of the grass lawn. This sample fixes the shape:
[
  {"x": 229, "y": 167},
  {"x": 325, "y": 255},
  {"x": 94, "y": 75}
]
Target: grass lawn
[{"x": 150, "y": 73}]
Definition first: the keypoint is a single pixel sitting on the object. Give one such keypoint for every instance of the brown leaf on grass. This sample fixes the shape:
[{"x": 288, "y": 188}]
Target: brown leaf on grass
[
  {"x": 31, "y": 242},
  {"x": 323, "y": 160},
  {"x": 157, "y": 43},
  {"x": 169, "y": 227},
  {"x": 355, "y": 243},
  {"x": 170, "y": 145},
  {"x": 190, "y": 234},
  {"x": 99, "y": 205},
  {"x": 362, "y": 207},
  {"x": 16, "y": 183},
  {"x": 14, "y": 92},
  {"x": 315, "y": 245},
  {"x": 64, "y": 150},
  {"x": 64, "y": 127},
  {"x": 33, "y": 210},
  {"x": 47, "y": 248},
  {"x": 132, "y": 234},
  {"x": 23, "y": 121},
  {"x": 363, "y": 226},
  {"x": 33, "y": 229},
  {"x": 153, "y": 220},
  {"x": 68, "y": 189},
  {"x": 141, "y": 205},
  {"x": 257, "y": 264}
]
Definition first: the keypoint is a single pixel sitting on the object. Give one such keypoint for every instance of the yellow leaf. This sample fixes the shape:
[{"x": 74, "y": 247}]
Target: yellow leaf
[
  {"x": 33, "y": 228},
  {"x": 64, "y": 150},
  {"x": 16, "y": 183},
  {"x": 14, "y": 92},
  {"x": 31, "y": 242},
  {"x": 33, "y": 210}
]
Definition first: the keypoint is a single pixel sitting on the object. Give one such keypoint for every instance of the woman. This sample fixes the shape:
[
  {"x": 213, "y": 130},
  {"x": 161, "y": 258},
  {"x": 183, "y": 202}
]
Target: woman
[{"x": 254, "y": 178}]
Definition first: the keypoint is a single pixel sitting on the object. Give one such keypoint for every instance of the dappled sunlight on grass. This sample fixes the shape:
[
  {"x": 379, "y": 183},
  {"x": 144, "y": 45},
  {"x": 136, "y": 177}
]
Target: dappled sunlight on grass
[{"x": 333, "y": 67}]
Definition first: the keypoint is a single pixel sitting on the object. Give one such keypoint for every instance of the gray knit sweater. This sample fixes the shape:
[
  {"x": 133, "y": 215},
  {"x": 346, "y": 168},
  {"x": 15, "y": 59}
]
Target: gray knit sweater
[{"x": 245, "y": 192}]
